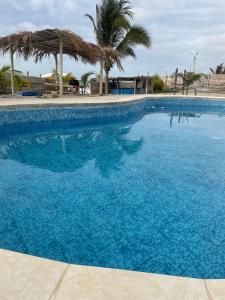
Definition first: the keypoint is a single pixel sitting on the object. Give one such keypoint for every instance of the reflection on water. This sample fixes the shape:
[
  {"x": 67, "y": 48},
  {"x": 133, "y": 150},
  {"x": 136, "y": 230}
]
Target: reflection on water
[
  {"x": 68, "y": 152},
  {"x": 182, "y": 117}
]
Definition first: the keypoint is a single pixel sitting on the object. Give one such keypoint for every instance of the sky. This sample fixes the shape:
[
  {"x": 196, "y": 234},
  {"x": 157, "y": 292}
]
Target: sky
[{"x": 178, "y": 28}]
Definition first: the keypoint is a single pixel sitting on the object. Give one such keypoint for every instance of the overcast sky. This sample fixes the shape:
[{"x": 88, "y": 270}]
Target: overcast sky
[{"x": 177, "y": 27}]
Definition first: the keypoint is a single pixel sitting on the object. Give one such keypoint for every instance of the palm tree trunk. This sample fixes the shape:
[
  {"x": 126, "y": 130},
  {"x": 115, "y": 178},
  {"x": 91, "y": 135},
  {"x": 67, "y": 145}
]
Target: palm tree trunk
[
  {"x": 101, "y": 79},
  {"x": 175, "y": 81},
  {"x": 187, "y": 90},
  {"x": 183, "y": 87},
  {"x": 106, "y": 81}
]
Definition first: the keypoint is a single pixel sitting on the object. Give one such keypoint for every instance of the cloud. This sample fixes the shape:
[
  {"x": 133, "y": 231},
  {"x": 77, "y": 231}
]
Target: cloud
[
  {"x": 52, "y": 6},
  {"x": 177, "y": 28},
  {"x": 30, "y": 26}
]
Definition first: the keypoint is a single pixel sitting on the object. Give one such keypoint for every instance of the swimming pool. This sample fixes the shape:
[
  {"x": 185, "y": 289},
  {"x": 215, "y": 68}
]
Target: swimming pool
[{"x": 136, "y": 186}]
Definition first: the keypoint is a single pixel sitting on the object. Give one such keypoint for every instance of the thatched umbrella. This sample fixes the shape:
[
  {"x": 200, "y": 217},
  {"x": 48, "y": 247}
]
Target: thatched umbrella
[{"x": 52, "y": 41}]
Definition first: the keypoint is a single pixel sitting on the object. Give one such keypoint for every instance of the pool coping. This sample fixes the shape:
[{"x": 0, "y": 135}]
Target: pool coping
[
  {"x": 28, "y": 102},
  {"x": 28, "y": 277}
]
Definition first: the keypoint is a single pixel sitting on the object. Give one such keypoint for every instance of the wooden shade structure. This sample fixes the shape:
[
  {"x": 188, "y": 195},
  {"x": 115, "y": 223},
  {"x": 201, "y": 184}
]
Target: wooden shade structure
[{"x": 43, "y": 43}]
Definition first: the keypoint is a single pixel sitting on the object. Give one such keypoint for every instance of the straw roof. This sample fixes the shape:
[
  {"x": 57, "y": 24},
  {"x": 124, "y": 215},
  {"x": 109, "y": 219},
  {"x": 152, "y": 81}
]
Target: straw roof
[{"x": 46, "y": 42}]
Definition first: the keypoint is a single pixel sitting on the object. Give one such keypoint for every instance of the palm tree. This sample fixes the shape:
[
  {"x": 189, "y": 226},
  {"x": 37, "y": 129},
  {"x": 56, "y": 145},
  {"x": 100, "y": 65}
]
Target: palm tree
[
  {"x": 189, "y": 78},
  {"x": 85, "y": 79},
  {"x": 113, "y": 29},
  {"x": 220, "y": 69}
]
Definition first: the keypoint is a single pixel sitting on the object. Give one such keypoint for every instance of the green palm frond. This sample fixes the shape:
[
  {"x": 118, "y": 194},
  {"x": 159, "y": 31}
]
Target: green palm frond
[
  {"x": 220, "y": 69},
  {"x": 4, "y": 69},
  {"x": 85, "y": 78},
  {"x": 138, "y": 35},
  {"x": 125, "y": 50}
]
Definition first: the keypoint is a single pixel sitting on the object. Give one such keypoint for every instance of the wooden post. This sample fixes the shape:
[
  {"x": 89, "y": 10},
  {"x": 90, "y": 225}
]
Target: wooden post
[
  {"x": 147, "y": 84},
  {"x": 143, "y": 84},
  {"x": 101, "y": 79},
  {"x": 56, "y": 66},
  {"x": 12, "y": 71},
  {"x": 56, "y": 71},
  {"x": 61, "y": 68}
]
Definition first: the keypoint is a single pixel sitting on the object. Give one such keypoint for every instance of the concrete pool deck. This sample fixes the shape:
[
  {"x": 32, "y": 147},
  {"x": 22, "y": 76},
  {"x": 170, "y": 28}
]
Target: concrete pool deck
[
  {"x": 19, "y": 102},
  {"x": 27, "y": 277}
]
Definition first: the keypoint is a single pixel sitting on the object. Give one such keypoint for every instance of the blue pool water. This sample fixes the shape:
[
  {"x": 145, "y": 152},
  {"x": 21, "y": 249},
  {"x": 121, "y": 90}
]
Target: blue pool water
[{"x": 138, "y": 191}]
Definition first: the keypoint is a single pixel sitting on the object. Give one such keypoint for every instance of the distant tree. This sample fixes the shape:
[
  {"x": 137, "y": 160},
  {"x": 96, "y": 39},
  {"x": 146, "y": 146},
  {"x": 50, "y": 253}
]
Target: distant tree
[
  {"x": 4, "y": 78},
  {"x": 158, "y": 83},
  {"x": 175, "y": 80},
  {"x": 189, "y": 78},
  {"x": 20, "y": 83},
  {"x": 85, "y": 79},
  {"x": 220, "y": 69}
]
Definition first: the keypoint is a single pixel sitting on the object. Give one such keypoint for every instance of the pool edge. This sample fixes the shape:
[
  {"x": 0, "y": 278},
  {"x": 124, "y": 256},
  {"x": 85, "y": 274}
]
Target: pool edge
[
  {"x": 16, "y": 103},
  {"x": 24, "y": 276}
]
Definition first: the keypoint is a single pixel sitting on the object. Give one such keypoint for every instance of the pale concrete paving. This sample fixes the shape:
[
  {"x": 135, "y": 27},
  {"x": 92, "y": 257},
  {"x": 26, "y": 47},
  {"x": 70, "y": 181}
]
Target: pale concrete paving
[
  {"x": 24, "y": 277},
  {"x": 87, "y": 100}
]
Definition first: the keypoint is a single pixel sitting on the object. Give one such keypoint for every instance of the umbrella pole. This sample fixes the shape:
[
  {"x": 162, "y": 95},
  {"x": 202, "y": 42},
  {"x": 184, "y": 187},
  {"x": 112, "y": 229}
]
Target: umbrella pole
[
  {"x": 61, "y": 68},
  {"x": 12, "y": 71}
]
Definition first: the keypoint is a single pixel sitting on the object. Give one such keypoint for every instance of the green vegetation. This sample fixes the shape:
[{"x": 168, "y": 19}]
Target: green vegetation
[
  {"x": 220, "y": 69},
  {"x": 20, "y": 83},
  {"x": 85, "y": 79},
  {"x": 188, "y": 79},
  {"x": 158, "y": 84},
  {"x": 113, "y": 29},
  {"x": 5, "y": 80}
]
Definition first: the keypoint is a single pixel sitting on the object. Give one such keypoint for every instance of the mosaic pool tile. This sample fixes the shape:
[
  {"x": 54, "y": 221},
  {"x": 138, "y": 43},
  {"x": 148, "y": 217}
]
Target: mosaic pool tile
[{"x": 131, "y": 186}]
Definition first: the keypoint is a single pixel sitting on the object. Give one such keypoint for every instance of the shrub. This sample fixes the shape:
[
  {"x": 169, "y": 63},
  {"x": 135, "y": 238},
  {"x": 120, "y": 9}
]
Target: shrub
[{"x": 158, "y": 84}]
